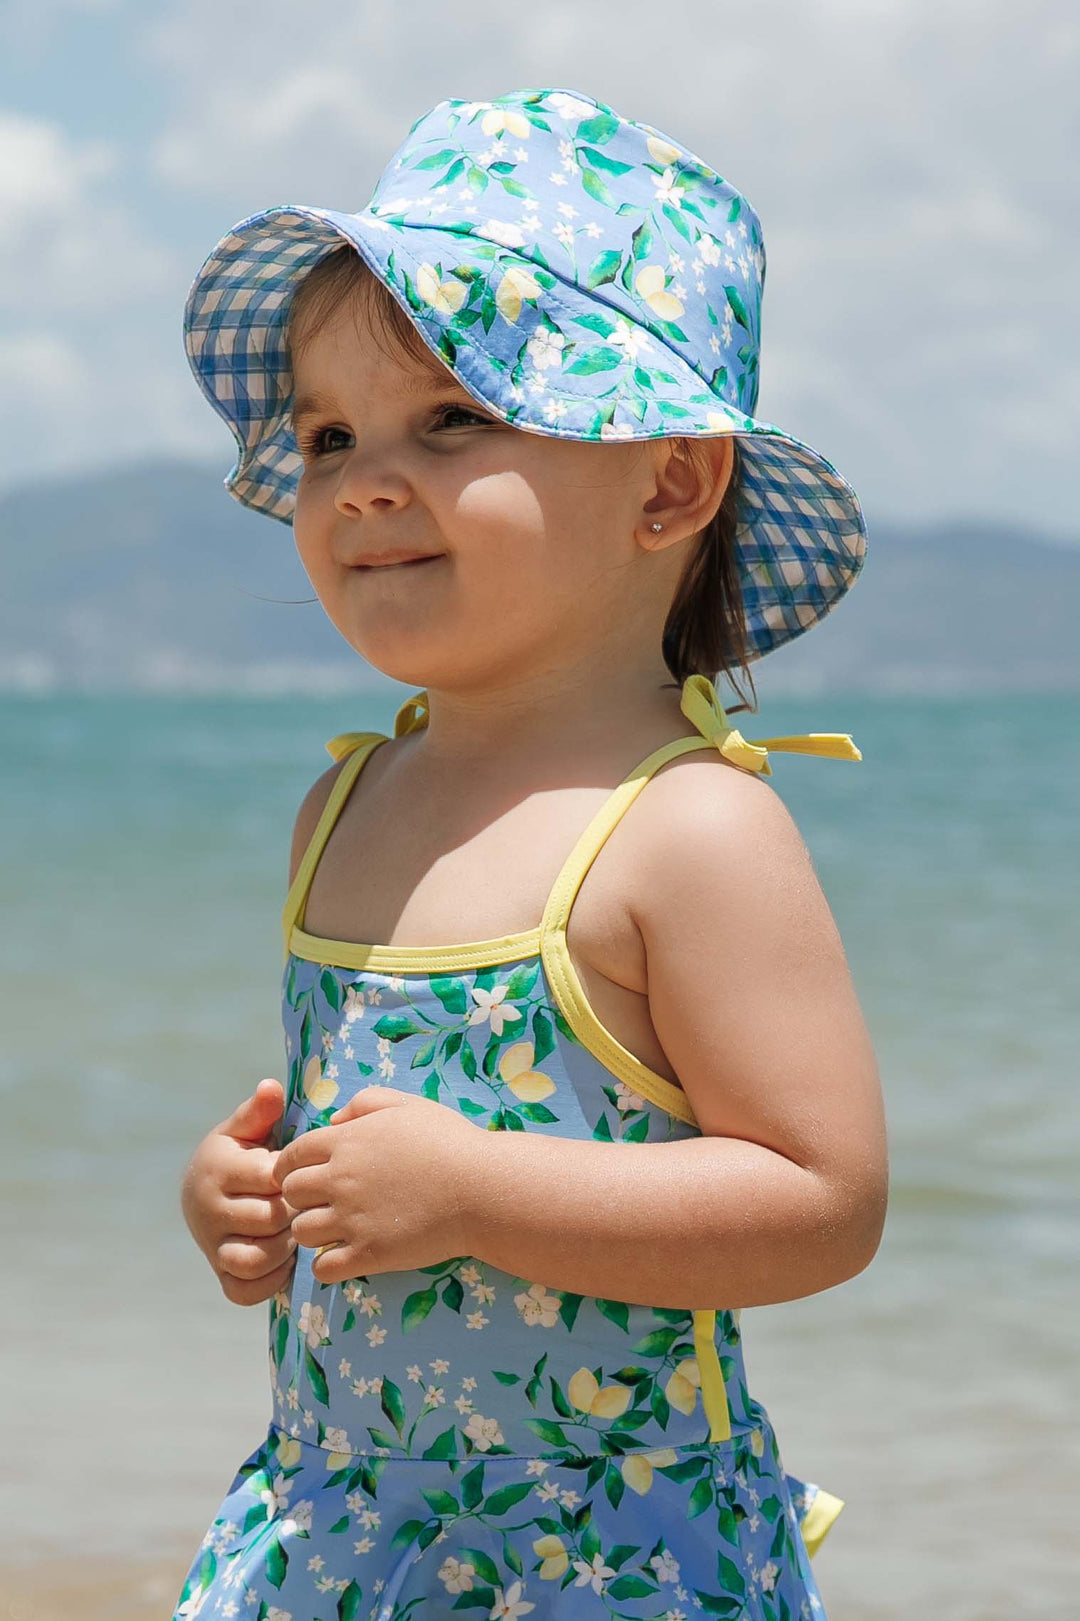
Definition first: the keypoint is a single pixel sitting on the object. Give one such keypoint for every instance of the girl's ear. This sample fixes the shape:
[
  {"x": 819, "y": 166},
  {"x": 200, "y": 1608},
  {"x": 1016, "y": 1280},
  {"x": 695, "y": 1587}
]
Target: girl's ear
[{"x": 691, "y": 481}]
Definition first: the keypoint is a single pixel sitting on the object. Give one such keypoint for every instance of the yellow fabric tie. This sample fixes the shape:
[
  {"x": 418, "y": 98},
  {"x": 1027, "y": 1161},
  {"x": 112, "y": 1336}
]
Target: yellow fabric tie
[{"x": 701, "y": 705}]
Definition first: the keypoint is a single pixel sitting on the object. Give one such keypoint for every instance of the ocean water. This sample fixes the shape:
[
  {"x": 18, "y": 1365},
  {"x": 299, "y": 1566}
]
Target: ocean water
[{"x": 144, "y": 868}]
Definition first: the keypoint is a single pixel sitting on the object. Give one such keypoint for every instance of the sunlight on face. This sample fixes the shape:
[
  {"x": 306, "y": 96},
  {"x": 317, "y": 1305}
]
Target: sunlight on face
[{"x": 529, "y": 538}]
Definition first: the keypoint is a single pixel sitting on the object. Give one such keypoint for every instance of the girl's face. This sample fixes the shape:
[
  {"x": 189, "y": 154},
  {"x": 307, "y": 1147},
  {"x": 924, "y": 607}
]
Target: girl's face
[{"x": 532, "y": 555}]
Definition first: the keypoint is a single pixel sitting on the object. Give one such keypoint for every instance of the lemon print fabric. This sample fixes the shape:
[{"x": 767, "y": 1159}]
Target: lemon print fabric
[{"x": 457, "y": 1441}]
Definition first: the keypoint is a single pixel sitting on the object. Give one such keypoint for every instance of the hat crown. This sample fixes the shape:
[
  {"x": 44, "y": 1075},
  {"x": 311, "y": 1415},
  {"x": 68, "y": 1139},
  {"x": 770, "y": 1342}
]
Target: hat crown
[{"x": 558, "y": 187}]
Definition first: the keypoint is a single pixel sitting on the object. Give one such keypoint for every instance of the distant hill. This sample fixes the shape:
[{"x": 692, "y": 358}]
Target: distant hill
[{"x": 149, "y": 576}]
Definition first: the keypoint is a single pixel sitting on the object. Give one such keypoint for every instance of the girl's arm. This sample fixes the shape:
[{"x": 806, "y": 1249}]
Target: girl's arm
[{"x": 750, "y": 995}]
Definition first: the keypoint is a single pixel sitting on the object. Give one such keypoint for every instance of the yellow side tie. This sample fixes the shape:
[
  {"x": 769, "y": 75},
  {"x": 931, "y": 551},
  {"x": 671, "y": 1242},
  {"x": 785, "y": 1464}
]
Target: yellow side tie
[{"x": 701, "y": 705}]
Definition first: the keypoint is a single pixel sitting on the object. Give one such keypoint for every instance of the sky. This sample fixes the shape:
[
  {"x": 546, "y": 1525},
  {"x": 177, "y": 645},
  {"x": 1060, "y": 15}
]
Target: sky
[{"x": 913, "y": 164}]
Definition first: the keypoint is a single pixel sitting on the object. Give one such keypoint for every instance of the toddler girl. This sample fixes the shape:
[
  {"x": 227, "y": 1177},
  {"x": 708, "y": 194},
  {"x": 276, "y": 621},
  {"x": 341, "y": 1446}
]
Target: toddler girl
[{"x": 575, "y": 1066}]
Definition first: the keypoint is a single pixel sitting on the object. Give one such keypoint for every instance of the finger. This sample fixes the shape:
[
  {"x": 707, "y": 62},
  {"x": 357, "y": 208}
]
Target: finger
[
  {"x": 307, "y": 1187},
  {"x": 310, "y": 1148},
  {"x": 336, "y": 1264},
  {"x": 252, "y": 1119},
  {"x": 250, "y": 1291},
  {"x": 249, "y": 1170},
  {"x": 241, "y": 1258},
  {"x": 367, "y": 1100},
  {"x": 321, "y": 1225},
  {"x": 257, "y": 1218}
]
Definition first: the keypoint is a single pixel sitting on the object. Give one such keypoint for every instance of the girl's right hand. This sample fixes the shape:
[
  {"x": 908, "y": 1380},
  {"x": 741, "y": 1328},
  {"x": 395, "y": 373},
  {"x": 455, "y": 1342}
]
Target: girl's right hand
[{"x": 237, "y": 1216}]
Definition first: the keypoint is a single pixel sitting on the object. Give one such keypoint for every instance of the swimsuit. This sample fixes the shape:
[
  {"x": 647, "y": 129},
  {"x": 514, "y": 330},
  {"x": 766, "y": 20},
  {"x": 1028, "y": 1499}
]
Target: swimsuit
[{"x": 457, "y": 1440}]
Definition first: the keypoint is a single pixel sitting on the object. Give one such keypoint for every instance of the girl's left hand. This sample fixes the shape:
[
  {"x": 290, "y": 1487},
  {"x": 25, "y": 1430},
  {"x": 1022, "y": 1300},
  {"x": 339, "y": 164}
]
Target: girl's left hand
[{"x": 384, "y": 1184}]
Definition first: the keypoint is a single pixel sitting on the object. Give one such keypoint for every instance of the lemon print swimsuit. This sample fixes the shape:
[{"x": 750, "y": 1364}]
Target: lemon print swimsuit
[{"x": 455, "y": 1440}]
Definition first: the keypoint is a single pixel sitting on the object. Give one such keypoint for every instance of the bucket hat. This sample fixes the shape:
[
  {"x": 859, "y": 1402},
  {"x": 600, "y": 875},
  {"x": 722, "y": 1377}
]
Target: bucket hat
[{"x": 583, "y": 275}]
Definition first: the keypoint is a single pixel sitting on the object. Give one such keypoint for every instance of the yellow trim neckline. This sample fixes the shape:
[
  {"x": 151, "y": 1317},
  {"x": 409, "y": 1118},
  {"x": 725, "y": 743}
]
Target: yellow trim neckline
[{"x": 701, "y": 705}]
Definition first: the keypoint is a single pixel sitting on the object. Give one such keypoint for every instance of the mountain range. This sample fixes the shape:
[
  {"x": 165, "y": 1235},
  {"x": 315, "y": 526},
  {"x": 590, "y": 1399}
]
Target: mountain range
[{"x": 150, "y": 577}]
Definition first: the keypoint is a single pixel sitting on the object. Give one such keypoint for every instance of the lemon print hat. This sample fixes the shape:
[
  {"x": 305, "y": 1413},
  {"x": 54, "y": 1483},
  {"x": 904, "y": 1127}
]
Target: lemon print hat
[{"x": 583, "y": 275}]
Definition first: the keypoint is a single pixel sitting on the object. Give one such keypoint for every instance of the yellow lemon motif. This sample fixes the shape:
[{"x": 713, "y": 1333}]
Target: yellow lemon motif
[
  {"x": 288, "y": 1452},
  {"x": 682, "y": 1387},
  {"x": 447, "y": 296},
  {"x": 757, "y": 1443},
  {"x": 338, "y": 1460},
  {"x": 526, "y": 1083},
  {"x": 515, "y": 287},
  {"x": 650, "y": 282},
  {"x": 637, "y": 1467},
  {"x": 719, "y": 423},
  {"x": 556, "y": 1559},
  {"x": 586, "y": 1395},
  {"x": 504, "y": 118},
  {"x": 662, "y": 152},
  {"x": 318, "y": 1089}
]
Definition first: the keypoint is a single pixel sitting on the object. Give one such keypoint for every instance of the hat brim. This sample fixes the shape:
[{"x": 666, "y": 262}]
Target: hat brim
[{"x": 801, "y": 536}]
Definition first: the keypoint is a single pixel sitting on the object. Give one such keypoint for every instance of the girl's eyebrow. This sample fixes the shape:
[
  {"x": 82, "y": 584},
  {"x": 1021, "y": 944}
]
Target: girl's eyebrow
[{"x": 314, "y": 402}]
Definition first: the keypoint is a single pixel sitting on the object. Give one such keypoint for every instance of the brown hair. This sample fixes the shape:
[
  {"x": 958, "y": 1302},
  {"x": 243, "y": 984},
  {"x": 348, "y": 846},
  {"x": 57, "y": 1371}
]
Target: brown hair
[{"x": 705, "y": 630}]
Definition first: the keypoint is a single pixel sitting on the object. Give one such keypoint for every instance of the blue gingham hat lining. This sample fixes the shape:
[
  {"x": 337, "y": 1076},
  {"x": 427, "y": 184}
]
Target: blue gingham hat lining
[{"x": 800, "y": 534}]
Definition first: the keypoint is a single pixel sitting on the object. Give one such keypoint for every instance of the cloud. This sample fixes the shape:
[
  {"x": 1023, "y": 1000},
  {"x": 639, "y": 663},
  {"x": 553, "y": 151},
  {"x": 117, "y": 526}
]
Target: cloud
[{"x": 68, "y": 247}]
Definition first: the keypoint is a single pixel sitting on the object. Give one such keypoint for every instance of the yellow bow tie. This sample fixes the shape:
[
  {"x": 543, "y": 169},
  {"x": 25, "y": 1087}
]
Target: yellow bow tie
[{"x": 701, "y": 705}]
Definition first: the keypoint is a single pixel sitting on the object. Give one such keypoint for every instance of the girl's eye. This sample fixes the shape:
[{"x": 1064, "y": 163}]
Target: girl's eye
[{"x": 313, "y": 442}]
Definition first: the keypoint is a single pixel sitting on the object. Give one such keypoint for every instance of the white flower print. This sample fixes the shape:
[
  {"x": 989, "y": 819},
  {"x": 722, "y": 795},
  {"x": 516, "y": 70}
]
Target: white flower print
[
  {"x": 538, "y": 1306},
  {"x": 594, "y": 1574},
  {"x": 491, "y": 1005},
  {"x": 476, "y": 1319},
  {"x": 456, "y": 1575},
  {"x": 767, "y": 1576},
  {"x": 313, "y": 1324},
  {"x": 508, "y": 1608},
  {"x": 625, "y": 1100},
  {"x": 666, "y": 1568},
  {"x": 484, "y": 1432}
]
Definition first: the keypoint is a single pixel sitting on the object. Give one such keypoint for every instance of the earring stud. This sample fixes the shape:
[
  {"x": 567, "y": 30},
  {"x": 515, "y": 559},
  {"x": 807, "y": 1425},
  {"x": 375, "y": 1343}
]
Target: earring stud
[{"x": 657, "y": 528}]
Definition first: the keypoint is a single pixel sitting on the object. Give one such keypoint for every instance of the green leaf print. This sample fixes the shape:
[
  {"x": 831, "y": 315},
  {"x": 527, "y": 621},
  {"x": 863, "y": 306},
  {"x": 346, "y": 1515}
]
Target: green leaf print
[
  {"x": 558, "y": 1400},
  {"x": 396, "y": 1027},
  {"x": 507, "y": 1378},
  {"x": 424, "y": 1055},
  {"x": 616, "y": 1311},
  {"x": 330, "y": 986},
  {"x": 340, "y": 1525},
  {"x": 730, "y": 1576},
  {"x": 428, "y": 1534},
  {"x": 440, "y": 1502},
  {"x": 596, "y": 323},
  {"x": 281, "y": 1339},
  {"x": 712, "y": 1605},
  {"x": 629, "y": 1587},
  {"x": 605, "y": 267},
  {"x": 254, "y": 1516},
  {"x": 614, "y": 1485},
  {"x": 392, "y": 1404},
  {"x": 416, "y": 1307},
  {"x": 568, "y": 1310},
  {"x": 451, "y": 992},
  {"x": 453, "y": 1294},
  {"x": 486, "y": 1568},
  {"x": 513, "y": 1558},
  {"x": 602, "y": 358},
  {"x": 538, "y": 1113},
  {"x": 597, "y": 129},
  {"x": 700, "y": 1499},
  {"x": 380, "y": 1438},
  {"x": 316, "y": 1377},
  {"x": 472, "y": 1487},
  {"x": 658, "y": 1343},
  {"x": 738, "y": 308},
  {"x": 543, "y": 1037},
  {"x": 554, "y": 1434},
  {"x": 443, "y": 1446},
  {"x": 600, "y": 160},
  {"x": 407, "y": 1532},
  {"x": 277, "y": 1563},
  {"x": 348, "y": 1605},
  {"x": 522, "y": 980}
]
